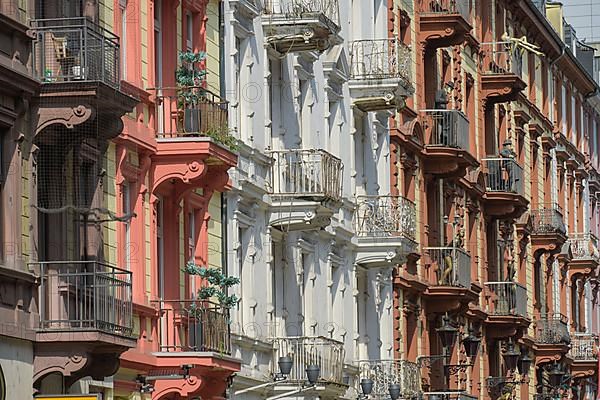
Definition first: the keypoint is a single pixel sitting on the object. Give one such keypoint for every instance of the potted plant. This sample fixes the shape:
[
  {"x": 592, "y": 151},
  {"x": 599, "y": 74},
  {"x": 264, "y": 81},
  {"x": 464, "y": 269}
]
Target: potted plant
[
  {"x": 190, "y": 77},
  {"x": 214, "y": 287}
]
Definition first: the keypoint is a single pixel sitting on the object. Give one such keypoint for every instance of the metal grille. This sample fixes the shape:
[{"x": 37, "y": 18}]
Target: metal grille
[
  {"x": 299, "y": 9},
  {"x": 85, "y": 295},
  {"x": 507, "y": 298},
  {"x": 453, "y": 266},
  {"x": 501, "y": 58},
  {"x": 189, "y": 111},
  {"x": 311, "y": 173},
  {"x": 328, "y": 354},
  {"x": 386, "y": 372},
  {"x": 584, "y": 246},
  {"x": 584, "y": 347},
  {"x": 193, "y": 325},
  {"x": 446, "y": 128},
  {"x": 385, "y": 216},
  {"x": 380, "y": 59},
  {"x": 461, "y": 7},
  {"x": 75, "y": 49},
  {"x": 503, "y": 175},
  {"x": 553, "y": 330},
  {"x": 548, "y": 219}
]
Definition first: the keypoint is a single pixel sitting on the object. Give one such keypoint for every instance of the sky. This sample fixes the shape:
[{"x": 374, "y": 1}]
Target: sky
[{"x": 584, "y": 15}]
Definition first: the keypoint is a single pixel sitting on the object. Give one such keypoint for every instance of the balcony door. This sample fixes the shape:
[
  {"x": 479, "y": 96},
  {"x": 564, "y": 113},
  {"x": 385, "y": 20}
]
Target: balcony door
[{"x": 160, "y": 250}]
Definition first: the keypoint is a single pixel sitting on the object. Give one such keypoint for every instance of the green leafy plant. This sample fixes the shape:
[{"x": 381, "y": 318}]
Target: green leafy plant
[
  {"x": 190, "y": 77},
  {"x": 216, "y": 286}
]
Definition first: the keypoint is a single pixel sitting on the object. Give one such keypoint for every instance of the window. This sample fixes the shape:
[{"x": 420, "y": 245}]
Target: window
[
  {"x": 126, "y": 206},
  {"x": 123, "y": 39},
  {"x": 189, "y": 24},
  {"x": 192, "y": 245},
  {"x": 160, "y": 249},
  {"x": 158, "y": 50}
]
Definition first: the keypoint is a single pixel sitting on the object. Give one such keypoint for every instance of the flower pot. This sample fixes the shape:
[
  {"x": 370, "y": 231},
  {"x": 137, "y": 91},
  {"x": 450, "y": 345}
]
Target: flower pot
[{"x": 191, "y": 120}]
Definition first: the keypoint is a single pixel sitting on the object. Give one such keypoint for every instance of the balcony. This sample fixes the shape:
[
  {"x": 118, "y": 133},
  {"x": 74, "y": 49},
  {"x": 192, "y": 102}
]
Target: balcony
[
  {"x": 586, "y": 258},
  {"x": 328, "y": 354},
  {"x": 380, "y": 74},
  {"x": 552, "y": 338},
  {"x": 504, "y": 188},
  {"x": 448, "y": 395},
  {"x": 385, "y": 230},
  {"x": 300, "y": 25},
  {"x": 306, "y": 188},
  {"x": 443, "y": 23},
  {"x": 78, "y": 64},
  {"x": 501, "y": 72},
  {"x": 85, "y": 308},
  {"x": 548, "y": 233},
  {"x": 584, "y": 353},
  {"x": 506, "y": 306},
  {"x": 192, "y": 139},
  {"x": 447, "y": 150},
  {"x": 449, "y": 270},
  {"x": 387, "y": 372}
]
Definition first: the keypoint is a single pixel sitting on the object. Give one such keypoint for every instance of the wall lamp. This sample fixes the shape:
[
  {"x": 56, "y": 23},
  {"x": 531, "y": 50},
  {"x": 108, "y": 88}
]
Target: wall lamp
[
  {"x": 145, "y": 381},
  {"x": 366, "y": 386}
]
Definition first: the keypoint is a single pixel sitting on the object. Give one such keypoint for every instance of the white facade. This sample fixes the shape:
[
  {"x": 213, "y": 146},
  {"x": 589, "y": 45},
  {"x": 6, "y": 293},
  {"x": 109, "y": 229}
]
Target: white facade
[{"x": 302, "y": 270}]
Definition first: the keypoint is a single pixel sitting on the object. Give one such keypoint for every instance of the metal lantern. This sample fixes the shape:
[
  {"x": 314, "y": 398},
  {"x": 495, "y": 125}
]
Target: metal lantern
[
  {"x": 447, "y": 333},
  {"x": 471, "y": 344},
  {"x": 556, "y": 375},
  {"x": 285, "y": 365},
  {"x": 394, "y": 390},
  {"x": 511, "y": 356},
  {"x": 312, "y": 373},
  {"x": 524, "y": 364},
  {"x": 366, "y": 385}
]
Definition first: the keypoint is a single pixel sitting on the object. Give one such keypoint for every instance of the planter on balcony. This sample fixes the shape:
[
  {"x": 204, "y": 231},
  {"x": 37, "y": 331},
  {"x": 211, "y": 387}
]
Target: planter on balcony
[
  {"x": 380, "y": 74},
  {"x": 387, "y": 372},
  {"x": 300, "y": 25},
  {"x": 447, "y": 149},
  {"x": 305, "y": 188},
  {"x": 385, "y": 228}
]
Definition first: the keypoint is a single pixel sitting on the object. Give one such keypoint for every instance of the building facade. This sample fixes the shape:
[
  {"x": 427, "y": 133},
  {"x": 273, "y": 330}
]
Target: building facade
[{"x": 334, "y": 199}]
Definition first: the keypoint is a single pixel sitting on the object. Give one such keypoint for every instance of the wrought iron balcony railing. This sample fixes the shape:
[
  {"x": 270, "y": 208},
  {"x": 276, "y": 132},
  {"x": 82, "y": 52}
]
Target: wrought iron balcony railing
[
  {"x": 188, "y": 112},
  {"x": 385, "y": 216},
  {"x": 501, "y": 58},
  {"x": 193, "y": 325},
  {"x": 300, "y": 9},
  {"x": 552, "y": 330},
  {"x": 584, "y": 246},
  {"x": 584, "y": 347},
  {"x": 453, "y": 266},
  {"x": 548, "y": 219},
  {"x": 328, "y": 354},
  {"x": 386, "y": 372},
  {"x": 380, "y": 59},
  {"x": 85, "y": 296},
  {"x": 75, "y": 50},
  {"x": 503, "y": 175},
  {"x": 507, "y": 299},
  {"x": 304, "y": 173},
  {"x": 446, "y": 7},
  {"x": 447, "y": 128}
]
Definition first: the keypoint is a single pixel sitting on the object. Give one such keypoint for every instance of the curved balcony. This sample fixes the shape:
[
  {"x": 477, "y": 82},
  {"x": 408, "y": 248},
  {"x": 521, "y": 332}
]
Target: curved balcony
[
  {"x": 386, "y": 372},
  {"x": 501, "y": 69},
  {"x": 552, "y": 338},
  {"x": 506, "y": 306},
  {"x": 586, "y": 257},
  {"x": 443, "y": 23},
  {"x": 300, "y": 25},
  {"x": 380, "y": 73},
  {"x": 78, "y": 64},
  {"x": 385, "y": 228},
  {"x": 504, "y": 188},
  {"x": 548, "y": 233},
  {"x": 447, "y": 147},
  {"x": 86, "y": 309},
  {"x": 449, "y": 269},
  {"x": 306, "y": 188},
  {"x": 327, "y": 353},
  {"x": 584, "y": 353}
]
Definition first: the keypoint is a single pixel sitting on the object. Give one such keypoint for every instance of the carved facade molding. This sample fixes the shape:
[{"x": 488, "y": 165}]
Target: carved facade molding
[{"x": 69, "y": 117}]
